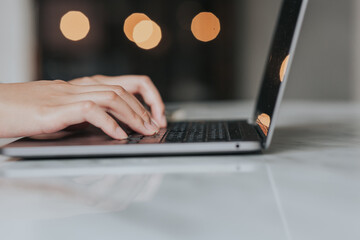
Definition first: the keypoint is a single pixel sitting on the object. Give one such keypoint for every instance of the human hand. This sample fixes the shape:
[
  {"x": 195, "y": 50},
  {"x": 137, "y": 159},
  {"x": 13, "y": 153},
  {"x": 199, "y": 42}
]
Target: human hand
[
  {"x": 133, "y": 84},
  {"x": 41, "y": 107}
]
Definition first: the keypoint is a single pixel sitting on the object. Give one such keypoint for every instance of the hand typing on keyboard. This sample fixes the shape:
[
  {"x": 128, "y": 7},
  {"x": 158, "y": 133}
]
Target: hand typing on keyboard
[{"x": 43, "y": 107}]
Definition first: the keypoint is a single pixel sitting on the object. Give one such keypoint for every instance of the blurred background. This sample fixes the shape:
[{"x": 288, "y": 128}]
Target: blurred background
[{"x": 196, "y": 50}]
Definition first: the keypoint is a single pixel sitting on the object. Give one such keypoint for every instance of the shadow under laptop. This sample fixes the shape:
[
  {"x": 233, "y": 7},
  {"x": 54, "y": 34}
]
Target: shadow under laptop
[{"x": 320, "y": 135}]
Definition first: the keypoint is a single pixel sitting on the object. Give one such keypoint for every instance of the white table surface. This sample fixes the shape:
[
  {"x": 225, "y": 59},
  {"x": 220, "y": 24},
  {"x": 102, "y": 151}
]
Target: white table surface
[{"x": 307, "y": 186}]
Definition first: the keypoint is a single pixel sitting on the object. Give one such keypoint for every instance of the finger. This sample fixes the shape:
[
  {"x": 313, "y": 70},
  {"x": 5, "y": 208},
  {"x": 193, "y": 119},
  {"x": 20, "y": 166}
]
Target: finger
[
  {"x": 86, "y": 111},
  {"x": 94, "y": 80},
  {"x": 121, "y": 110},
  {"x": 152, "y": 98},
  {"x": 141, "y": 110},
  {"x": 122, "y": 93},
  {"x": 139, "y": 85}
]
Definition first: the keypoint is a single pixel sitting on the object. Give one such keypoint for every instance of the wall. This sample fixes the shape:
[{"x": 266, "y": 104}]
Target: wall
[{"x": 16, "y": 41}]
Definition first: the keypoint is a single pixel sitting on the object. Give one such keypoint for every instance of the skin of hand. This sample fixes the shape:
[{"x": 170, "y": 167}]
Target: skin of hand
[{"x": 42, "y": 107}]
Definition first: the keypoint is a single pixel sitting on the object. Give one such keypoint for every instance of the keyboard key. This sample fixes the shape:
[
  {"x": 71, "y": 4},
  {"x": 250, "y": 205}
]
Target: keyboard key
[
  {"x": 153, "y": 139},
  {"x": 176, "y": 132},
  {"x": 134, "y": 138},
  {"x": 217, "y": 132},
  {"x": 196, "y": 132}
]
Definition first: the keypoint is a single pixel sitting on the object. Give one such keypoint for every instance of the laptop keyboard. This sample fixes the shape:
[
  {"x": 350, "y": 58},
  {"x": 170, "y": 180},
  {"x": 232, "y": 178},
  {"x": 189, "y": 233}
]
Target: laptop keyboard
[{"x": 192, "y": 132}]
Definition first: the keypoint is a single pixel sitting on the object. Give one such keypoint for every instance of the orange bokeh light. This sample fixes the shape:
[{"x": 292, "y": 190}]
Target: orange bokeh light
[
  {"x": 205, "y": 26},
  {"x": 131, "y": 22},
  {"x": 147, "y": 35},
  {"x": 143, "y": 31},
  {"x": 75, "y": 25},
  {"x": 264, "y": 121},
  {"x": 283, "y": 68}
]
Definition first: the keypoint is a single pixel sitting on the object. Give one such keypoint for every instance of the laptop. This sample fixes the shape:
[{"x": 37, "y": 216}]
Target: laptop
[{"x": 195, "y": 137}]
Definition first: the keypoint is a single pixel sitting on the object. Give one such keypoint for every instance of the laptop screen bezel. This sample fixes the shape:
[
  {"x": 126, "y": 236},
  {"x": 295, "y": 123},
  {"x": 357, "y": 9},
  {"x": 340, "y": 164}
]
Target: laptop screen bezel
[{"x": 287, "y": 49}]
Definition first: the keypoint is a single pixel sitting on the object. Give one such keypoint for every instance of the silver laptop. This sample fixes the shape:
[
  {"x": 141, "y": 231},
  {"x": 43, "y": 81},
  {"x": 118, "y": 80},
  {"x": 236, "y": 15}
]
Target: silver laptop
[{"x": 199, "y": 137}]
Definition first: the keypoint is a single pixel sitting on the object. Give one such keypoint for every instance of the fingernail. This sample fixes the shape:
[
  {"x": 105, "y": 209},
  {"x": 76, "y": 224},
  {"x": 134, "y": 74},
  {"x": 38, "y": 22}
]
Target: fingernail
[
  {"x": 155, "y": 125},
  {"x": 150, "y": 127}
]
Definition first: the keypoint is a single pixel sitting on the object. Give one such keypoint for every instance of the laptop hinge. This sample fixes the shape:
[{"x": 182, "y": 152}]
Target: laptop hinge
[{"x": 260, "y": 134}]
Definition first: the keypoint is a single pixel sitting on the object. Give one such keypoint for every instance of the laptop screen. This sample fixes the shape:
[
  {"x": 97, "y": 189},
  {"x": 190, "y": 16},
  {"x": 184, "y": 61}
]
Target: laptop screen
[{"x": 278, "y": 65}]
